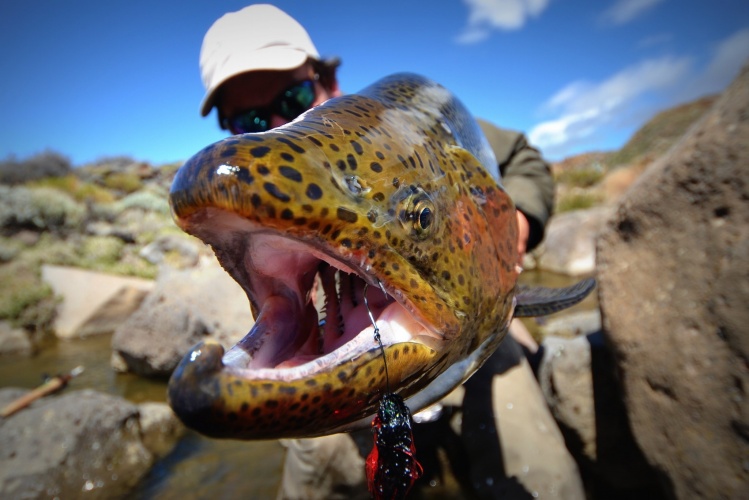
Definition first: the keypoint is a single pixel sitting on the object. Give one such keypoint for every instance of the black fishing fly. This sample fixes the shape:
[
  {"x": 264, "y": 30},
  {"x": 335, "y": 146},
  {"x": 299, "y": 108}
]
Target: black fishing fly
[{"x": 391, "y": 466}]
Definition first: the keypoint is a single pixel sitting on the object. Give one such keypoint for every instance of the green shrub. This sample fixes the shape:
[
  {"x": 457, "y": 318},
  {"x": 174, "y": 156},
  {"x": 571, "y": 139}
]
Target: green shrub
[
  {"x": 576, "y": 201},
  {"x": 123, "y": 181},
  {"x": 40, "y": 208},
  {"x": 100, "y": 251},
  {"x": 22, "y": 288},
  {"x": 582, "y": 177},
  {"x": 80, "y": 190},
  {"x": 146, "y": 199}
]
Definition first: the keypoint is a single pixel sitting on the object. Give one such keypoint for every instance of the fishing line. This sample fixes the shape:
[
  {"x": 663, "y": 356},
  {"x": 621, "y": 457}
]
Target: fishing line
[{"x": 377, "y": 337}]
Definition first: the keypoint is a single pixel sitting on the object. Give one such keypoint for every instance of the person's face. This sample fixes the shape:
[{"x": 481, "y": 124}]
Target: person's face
[{"x": 259, "y": 89}]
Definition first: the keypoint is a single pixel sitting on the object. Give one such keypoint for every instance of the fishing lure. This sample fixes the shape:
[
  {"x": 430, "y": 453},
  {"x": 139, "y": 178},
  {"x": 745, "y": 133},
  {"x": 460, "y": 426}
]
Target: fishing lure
[{"x": 391, "y": 466}]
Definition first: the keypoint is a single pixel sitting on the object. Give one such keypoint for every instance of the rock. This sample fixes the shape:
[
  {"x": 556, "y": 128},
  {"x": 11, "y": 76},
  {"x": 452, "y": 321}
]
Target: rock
[
  {"x": 569, "y": 244},
  {"x": 571, "y": 324},
  {"x": 185, "y": 307},
  {"x": 566, "y": 381},
  {"x": 81, "y": 443},
  {"x": 577, "y": 380},
  {"x": 160, "y": 429},
  {"x": 14, "y": 340},
  {"x": 92, "y": 303},
  {"x": 673, "y": 268}
]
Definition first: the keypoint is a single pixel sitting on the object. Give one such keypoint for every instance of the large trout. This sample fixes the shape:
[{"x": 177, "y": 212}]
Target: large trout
[{"x": 392, "y": 192}]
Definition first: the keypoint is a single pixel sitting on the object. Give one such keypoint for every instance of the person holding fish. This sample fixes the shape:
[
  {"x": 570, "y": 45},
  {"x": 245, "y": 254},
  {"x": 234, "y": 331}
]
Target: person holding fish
[{"x": 261, "y": 70}]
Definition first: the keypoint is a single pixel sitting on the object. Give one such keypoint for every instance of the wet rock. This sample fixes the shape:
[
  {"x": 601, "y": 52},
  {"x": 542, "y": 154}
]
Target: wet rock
[
  {"x": 81, "y": 443},
  {"x": 92, "y": 303},
  {"x": 185, "y": 307},
  {"x": 569, "y": 245},
  {"x": 674, "y": 287}
]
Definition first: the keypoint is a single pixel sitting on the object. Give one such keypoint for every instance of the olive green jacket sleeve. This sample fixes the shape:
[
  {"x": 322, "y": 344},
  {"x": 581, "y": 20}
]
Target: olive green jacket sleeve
[{"x": 525, "y": 176}]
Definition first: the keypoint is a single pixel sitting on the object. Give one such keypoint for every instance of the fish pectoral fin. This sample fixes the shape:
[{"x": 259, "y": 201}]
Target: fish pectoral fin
[{"x": 540, "y": 301}]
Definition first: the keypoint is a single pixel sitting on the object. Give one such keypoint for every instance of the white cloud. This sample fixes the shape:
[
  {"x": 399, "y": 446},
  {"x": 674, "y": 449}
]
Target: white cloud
[
  {"x": 583, "y": 108},
  {"x": 729, "y": 56},
  {"x": 624, "y": 11},
  {"x": 485, "y": 15}
]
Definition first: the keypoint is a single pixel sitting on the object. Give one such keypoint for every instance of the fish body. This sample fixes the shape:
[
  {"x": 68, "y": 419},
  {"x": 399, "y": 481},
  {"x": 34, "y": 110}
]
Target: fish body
[{"x": 395, "y": 188}]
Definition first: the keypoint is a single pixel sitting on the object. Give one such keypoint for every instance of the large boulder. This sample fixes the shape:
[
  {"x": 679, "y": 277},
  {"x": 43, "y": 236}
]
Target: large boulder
[
  {"x": 185, "y": 307},
  {"x": 92, "y": 302},
  {"x": 673, "y": 268},
  {"x": 81, "y": 444}
]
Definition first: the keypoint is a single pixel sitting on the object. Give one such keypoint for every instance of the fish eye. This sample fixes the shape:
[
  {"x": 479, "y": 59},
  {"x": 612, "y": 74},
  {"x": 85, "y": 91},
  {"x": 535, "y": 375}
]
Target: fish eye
[{"x": 425, "y": 215}]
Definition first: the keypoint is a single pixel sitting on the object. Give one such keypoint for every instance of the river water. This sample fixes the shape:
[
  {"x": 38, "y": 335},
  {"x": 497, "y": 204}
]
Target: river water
[{"x": 198, "y": 467}]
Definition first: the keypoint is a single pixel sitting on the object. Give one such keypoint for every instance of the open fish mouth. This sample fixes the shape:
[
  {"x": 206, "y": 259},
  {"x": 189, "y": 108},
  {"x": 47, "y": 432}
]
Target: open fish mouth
[
  {"x": 313, "y": 310},
  {"x": 310, "y": 364}
]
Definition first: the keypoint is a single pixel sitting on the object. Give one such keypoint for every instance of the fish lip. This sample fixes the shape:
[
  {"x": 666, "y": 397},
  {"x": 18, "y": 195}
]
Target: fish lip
[{"x": 234, "y": 258}]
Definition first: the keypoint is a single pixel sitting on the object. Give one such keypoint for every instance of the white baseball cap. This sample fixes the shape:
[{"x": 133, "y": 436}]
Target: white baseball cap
[{"x": 257, "y": 37}]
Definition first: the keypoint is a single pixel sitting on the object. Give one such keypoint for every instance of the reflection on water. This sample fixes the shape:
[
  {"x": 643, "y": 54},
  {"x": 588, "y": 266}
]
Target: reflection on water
[
  {"x": 211, "y": 468},
  {"x": 199, "y": 467}
]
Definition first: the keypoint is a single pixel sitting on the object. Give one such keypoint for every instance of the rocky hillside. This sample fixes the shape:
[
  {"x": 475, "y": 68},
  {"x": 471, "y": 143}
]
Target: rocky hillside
[{"x": 596, "y": 178}]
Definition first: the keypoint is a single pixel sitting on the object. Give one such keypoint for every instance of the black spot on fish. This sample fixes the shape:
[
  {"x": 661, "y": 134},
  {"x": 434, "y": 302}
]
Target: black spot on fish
[
  {"x": 341, "y": 165},
  {"x": 228, "y": 152},
  {"x": 334, "y": 147},
  {"x": 287, "y": 214},
  {"x": 259, "y": 151},
  {"x": 446, "y": 275},
  {"x": 351, "y": 161},
  {"x": 290, "y": 173},
  {"x": 314, "y": 192},
  {"x": 346, "y": 242},
  {"x": 296, "y": 147},
  {"x": 263, "y": 170},
  {"x": 243, "y": 174},
  {"x": 288, "y": 157},
  {"x": 376, "y": 167},
  {"x": 346, "y": 215},
  {"x": 274, "y": 191},
  {"x": 287, "y": 389},
  {"x": 357, "y": 147}
]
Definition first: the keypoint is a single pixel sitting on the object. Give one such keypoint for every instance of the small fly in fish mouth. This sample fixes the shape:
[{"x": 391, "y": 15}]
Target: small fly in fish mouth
[{"x": 312, "y": 314}]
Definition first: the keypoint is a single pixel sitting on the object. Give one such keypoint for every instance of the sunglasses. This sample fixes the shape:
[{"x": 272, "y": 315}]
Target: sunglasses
[{"x": 289, "y": 104}]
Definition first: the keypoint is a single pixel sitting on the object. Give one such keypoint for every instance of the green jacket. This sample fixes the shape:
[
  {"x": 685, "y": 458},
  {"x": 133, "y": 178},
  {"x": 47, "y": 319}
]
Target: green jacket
[{"x": 525, "y": 176}]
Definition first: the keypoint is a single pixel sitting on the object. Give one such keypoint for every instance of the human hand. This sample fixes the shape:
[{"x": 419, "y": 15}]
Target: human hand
[{"x": 524, "y": 231}]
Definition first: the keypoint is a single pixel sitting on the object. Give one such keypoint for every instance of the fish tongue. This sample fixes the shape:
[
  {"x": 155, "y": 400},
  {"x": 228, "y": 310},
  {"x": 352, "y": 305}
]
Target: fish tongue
[{"x": 277, "y": 334}]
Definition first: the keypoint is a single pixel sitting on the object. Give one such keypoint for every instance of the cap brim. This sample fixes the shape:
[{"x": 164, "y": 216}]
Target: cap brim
[{"x": 267, "y": 59}]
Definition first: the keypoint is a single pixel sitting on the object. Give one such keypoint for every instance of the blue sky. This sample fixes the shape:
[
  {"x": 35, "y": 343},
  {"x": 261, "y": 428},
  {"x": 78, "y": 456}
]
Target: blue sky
[{"x": 92, "y": 79}]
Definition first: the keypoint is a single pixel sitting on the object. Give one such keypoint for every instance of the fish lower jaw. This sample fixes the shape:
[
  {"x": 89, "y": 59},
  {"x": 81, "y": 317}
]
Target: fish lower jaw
[{"x": 394, "y": 325}]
